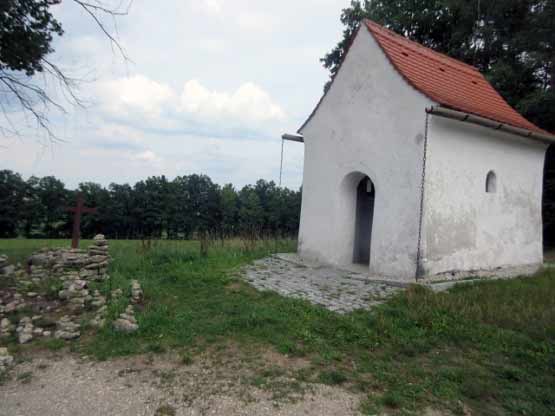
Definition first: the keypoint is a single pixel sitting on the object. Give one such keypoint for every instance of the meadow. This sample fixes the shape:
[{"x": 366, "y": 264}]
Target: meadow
[{"x": 487, "y": 348}]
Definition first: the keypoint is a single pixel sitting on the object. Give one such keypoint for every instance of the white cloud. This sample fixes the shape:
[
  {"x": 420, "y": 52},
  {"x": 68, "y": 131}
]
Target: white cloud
[
  {"x": 210, "y": 7},
  {"x": 148, "y": 104},
  {"x": 249, "y": 103},
  {"x": 217, "y": 128},
  {"x": 146, "y": 156},
  {"x": 135, "y": 94},
  {"x": 256, "y": 21}
]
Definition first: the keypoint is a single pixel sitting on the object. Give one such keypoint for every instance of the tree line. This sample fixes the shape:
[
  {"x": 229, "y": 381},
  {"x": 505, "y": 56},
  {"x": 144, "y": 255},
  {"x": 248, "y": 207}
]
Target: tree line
[{"x": 182, "y": 208}]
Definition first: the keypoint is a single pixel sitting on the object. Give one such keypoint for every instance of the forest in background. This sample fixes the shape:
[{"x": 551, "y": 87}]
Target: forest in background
[{"x": 182, "y": 208}]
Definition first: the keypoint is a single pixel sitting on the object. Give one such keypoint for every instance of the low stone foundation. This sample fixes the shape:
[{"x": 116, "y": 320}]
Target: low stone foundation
[
  {"x": 507, "y": 272},
  {"x": 50, "y": 295}
]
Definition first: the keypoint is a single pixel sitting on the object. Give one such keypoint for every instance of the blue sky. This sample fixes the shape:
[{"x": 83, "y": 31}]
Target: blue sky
[{"x": 210, "y": 87}]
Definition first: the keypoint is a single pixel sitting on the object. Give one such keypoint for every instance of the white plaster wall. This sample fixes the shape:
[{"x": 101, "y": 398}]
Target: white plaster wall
[
  {"x": 371, "y": 122},
  {"x": 467, "y": 229}
]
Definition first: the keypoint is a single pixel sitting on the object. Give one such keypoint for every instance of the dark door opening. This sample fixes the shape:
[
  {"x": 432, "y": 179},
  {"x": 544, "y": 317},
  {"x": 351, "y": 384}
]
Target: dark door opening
[{"x": 364, "y": 219}]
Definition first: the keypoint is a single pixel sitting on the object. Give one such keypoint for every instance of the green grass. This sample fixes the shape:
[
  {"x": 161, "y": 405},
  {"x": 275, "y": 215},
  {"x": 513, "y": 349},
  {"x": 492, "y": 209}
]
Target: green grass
[
  {"x": 489, "y": 346},
  {"x": 25, "y": 378},
  {"x": 19, "y": 249}
]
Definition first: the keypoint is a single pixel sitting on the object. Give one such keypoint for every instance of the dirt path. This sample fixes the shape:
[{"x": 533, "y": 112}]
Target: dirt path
[{"x": 69, "y": 385}]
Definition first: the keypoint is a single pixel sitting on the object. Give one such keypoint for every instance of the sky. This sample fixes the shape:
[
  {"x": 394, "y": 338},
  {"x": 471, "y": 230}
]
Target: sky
[{"x": 209, "y": 87}]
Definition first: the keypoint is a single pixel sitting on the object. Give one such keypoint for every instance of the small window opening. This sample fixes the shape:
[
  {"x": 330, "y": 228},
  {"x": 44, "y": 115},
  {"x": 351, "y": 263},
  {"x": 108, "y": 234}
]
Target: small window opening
[
  {"x": 491, "y": 182},
  {"x": 474, "y": 82},
  {"x": 405, "y": 54},
  {"x": 442, "y": 70}
]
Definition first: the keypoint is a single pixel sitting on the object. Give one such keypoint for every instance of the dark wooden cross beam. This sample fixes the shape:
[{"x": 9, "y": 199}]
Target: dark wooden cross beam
[{"x": 77, "y": 211}]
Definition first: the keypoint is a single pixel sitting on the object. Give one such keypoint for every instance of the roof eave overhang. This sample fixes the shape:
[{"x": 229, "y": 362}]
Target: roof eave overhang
[
  {"x": 492, "y": 124},
  {"x": 293, "y": 137}
]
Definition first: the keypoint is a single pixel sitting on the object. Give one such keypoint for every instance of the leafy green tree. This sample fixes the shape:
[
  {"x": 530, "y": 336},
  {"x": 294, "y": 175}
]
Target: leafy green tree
[
  {"x": 26, "y": 32},
  {"x": 251, "y": 213},
  {"x": 230, "y": 210},
  {"x": 117, "y": 219},
  {"x": 182, "y": 211},
  {"x": 204, "y": 200},
  {"x": 12, "y": 196},
  {"x": 290, "y": 212},
  {"x": 54, "y": 199},
  {"x": 188, "y": 206},
  {"x": 148, "y": 207},
  {"x": 510, "y": 41},
  {"x": 94, "y": 196}
]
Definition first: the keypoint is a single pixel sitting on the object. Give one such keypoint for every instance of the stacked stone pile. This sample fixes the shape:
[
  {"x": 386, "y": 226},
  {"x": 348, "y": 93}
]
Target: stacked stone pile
[
  {"x": 37, "y": 273},
  {"x": 99, "y": 246},
  {"x": 116, "y": 293},
  {"x": 6, "y": 360},
  {"x": 136, "y": 292},
  {"x": 5, "y": 268},
  {"x": 25, "y": 330},
  {"x": 75, "y": 292},
  {"x": 40, "y": 263},
  {"x": 6, "y": 328},
  {"x": 98, "y": 301},
  {"x": 99, "y": 320},
  {"x": 38, "y": 331},
  {"x": 67, "y": 329},
  {"x": 74, "y": 270},
  {"x": 89, "y": 264},
  {"x": 126, "y": 321},
  {"x": 16, "y": 304},
  {"x": 99, "y": 259}
]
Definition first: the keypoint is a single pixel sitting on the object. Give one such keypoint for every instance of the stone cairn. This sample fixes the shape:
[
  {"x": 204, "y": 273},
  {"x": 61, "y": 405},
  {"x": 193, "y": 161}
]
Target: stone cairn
[
  {"x": 25, "y": 330},
  {"x": 5, "y": 268},
  {"x": 99, "y": 320},
  {"x": 6, "y": 328},
  {"x": 126, "y": 321},
  {"x": 116, "y": 293},
  {"x": 99, "y": 259},
  {"x": 6, "y": 360},
  {"x": 136, "y": 292},
  {"x": 67, "y": 329},
  {"x": 74, "y": 269},
  {"x": 75, "y": 292},
  {"x": 99, "y": 302}
]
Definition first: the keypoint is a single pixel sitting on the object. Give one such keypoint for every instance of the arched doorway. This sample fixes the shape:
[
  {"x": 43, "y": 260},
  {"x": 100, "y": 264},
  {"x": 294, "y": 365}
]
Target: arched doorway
[{"x": 363, "y": 224}]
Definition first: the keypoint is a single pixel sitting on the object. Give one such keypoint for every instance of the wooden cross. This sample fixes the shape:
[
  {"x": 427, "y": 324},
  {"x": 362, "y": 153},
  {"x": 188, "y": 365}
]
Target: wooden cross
[{"x": 77, "y": 211}]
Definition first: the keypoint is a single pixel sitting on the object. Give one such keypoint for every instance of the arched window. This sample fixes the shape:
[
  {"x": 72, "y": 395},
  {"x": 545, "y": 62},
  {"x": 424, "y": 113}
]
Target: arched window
[{"x": 491, "y": 182}]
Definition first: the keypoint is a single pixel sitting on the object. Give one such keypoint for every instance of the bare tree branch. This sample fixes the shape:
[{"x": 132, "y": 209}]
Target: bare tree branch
[
  {"x": 21, "y": 94},
  {"x": 94, "y": 9}
]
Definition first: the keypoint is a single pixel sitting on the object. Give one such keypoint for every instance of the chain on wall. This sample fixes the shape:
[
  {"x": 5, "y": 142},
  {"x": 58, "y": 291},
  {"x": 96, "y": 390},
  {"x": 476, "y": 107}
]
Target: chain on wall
[{"x": 421, "y": 213}]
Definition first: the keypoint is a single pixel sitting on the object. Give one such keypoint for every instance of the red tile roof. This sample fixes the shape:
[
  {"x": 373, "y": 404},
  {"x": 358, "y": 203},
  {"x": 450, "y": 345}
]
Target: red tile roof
[{"x": 446, "y": 81}]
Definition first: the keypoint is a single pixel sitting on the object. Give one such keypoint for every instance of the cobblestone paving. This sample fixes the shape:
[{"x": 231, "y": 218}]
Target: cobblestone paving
[{"x": 337, "y": 290}]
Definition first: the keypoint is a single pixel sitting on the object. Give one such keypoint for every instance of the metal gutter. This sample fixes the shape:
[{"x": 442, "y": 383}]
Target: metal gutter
[
  {"x": 293, "y": 137},
  {"x": 486, "y": 122}
]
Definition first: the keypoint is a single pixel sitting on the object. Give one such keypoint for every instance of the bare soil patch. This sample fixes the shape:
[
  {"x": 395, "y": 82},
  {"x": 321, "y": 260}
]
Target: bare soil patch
[{"x": 66, "y": 384}]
